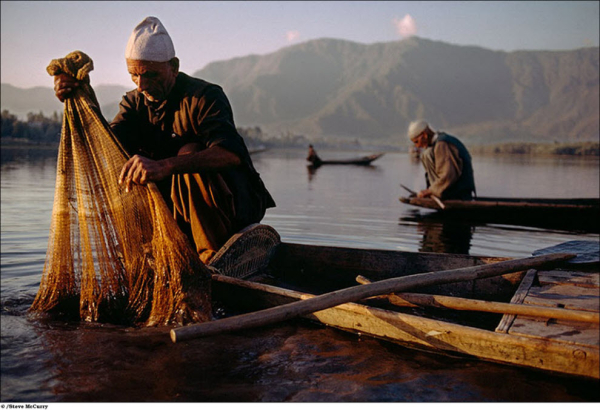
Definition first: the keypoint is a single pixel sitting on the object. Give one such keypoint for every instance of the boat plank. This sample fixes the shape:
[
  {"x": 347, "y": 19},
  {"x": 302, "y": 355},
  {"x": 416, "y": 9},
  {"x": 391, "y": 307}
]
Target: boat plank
[
  {"x": 372, "y": 263},
  {"x": 585, "y": 279},
  {"x": 566, "y": 289},
  {"x": 338, "y": 268},
  {"x": 299, "y": 272},
  {"x": 433, "y": 334},
  {"x": 518, "y": 298},
  {"x": 586, "y": 334},
  {"x": 567, "y": 296}
]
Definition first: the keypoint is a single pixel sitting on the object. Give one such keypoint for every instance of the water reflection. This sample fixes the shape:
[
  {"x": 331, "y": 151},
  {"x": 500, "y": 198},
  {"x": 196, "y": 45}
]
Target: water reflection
[
  {"x": 29, "y": 155},
  {"x": 290, "y": 362},
  {"x": 313, "y": 168},
  {"x": 581, "y": 222},
  {"x": 312, "y": 171},
  {"x": 442, "y": 236}
]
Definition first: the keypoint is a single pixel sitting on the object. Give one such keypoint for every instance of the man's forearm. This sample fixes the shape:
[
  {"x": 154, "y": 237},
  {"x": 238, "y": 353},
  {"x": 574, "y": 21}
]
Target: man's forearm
[
  {"x": 139, "y": 170},
  {"x": 211, "y": 159}
]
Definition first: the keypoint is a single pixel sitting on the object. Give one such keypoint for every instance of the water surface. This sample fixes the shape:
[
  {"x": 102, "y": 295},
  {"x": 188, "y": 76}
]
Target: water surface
[{"x": 46, "y": 361}]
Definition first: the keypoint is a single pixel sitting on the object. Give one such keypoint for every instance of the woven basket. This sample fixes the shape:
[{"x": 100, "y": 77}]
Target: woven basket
[{"x": 247, "y": 252}]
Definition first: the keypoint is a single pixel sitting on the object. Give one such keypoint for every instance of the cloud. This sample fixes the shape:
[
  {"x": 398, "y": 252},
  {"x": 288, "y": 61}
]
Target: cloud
[
  {"x": 406, "y": 27},
  {"x": 292, "y": 35}
]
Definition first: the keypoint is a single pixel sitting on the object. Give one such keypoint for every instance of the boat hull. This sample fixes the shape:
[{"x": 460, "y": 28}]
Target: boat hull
[
  {"x": 302, "y": 271},
  {"x": 570, "y": 214},
  {"x": 353, "y": 161},
  {"x": 423, "y": 333}
]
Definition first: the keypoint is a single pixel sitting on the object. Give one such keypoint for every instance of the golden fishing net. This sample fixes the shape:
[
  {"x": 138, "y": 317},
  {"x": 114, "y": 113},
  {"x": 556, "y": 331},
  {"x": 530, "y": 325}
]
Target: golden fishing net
[{"x": 113, "y": 256}]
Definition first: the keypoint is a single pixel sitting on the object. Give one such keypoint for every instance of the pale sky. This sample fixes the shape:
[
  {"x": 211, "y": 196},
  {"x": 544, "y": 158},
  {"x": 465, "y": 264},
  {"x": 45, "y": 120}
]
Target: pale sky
[{"x": 33, "y": 33}]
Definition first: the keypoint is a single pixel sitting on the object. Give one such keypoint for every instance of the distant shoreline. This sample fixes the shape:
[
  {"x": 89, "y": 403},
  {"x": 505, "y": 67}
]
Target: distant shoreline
[
  {"x": 580, "y": 149},
  {"x": 11, "y": 143},
  {"x": 577, "y": 149}
]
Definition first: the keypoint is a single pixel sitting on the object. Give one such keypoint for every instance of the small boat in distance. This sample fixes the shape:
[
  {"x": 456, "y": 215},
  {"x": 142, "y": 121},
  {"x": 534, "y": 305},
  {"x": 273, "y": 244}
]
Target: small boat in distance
[
  {"x": 257, "y": 150},
  {"x": 316, "y": 161}
]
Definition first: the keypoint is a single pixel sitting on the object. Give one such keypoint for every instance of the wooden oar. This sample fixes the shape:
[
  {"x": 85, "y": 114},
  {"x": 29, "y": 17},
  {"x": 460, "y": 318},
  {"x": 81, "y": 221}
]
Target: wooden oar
[
  {"x": 438, "y": 201},
  {"x": 450, "y": 302},
  {"x": 353, "y": 294},
  {"x": 435, "y": 198},
  {"x": 410, "y": 191}
]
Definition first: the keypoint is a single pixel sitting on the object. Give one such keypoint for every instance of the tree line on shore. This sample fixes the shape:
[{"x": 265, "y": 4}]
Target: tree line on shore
[
  {"x": 38, "y": 129},
  {"x": 585, "y": 148}
]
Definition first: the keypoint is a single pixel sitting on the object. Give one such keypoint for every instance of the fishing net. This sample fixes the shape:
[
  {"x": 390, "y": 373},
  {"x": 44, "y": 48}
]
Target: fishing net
[{"x": 113, "y": 256}]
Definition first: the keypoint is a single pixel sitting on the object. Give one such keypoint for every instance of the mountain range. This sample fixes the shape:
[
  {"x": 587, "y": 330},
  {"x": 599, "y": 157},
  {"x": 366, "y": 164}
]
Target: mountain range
[
  {"x": 20, "y": 101},
  {"x": 342, "y": 90}
]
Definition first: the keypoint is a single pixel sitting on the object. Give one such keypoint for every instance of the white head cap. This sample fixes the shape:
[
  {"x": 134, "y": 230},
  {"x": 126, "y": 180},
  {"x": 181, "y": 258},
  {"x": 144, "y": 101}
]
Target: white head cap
[
  {"x": 150, "y": 41},
  {"x": 415, "y": 128}
]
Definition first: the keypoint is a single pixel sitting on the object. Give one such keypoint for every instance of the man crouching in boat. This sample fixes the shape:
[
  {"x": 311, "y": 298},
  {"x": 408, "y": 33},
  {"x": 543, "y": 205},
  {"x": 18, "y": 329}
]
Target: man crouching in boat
[
  {"x": 180, "y": 133},
  {"x": 447, "y": 163}
]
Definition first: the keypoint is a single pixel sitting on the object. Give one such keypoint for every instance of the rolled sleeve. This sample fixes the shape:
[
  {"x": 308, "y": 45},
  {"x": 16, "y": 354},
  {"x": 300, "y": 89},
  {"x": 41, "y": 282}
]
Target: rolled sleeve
[{"x": 215, "y": 123}]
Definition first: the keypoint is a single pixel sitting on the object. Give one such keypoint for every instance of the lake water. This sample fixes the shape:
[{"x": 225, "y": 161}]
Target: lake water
[{"x": 349, "y": 206}]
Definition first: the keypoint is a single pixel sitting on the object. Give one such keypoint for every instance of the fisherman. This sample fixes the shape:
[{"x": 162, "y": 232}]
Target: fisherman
[
  {"x": 312, "y": 156},
  {"x": 180, "y": 133},
  {"x": 447, "y": 163}
]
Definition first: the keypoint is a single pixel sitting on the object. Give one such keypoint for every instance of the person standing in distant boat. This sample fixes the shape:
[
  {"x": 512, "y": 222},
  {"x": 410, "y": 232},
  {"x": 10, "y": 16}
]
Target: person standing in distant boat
[
  {"x": 447, "y": 163},
  {"x": 312, "y": 156}
]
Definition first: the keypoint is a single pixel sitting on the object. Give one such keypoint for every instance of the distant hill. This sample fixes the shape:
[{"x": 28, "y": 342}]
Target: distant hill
[
  {"x": 335, "y": 89},
  {"x": 340, "y": 88},
  {"x": 21, "y": 101}
]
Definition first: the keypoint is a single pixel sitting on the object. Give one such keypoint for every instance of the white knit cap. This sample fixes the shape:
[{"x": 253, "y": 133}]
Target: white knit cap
[
  {"x": 415, "y": 128},
  {"x": 150, "y": 41}
]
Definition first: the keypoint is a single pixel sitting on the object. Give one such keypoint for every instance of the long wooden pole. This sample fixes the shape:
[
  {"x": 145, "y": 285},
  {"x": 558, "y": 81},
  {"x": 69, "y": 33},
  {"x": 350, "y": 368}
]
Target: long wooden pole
[
  {"x": 355, "y": 293},
  {"x": 450, "y": 302}
]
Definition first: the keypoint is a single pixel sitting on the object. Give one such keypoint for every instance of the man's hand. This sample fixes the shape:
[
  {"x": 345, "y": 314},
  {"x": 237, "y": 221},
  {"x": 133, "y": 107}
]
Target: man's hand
[
  {"x": 63, "y": 86},
  {"x": 141, "y": 170},
  {"x": 424, "y": 193}
]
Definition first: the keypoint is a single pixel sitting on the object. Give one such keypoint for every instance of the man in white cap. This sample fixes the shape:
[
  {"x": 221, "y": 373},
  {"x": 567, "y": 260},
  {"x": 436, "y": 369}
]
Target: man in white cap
[
  {"x": 447, "y": 163},
  {"x": 181, "y": 135}
]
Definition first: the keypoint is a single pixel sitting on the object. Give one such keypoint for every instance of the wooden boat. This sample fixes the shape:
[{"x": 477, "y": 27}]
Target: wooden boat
[
  {"x": 367, "y": 160},
  {"x": 576, "y": 213},
  {"x": 258, "y": 150},
  {"x": 568, "y": 346}
]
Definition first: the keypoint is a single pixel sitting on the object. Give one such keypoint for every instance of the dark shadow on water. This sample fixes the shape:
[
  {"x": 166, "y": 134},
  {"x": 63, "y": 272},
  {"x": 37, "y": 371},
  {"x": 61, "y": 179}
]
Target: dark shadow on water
[
  {"x": 312, "y": 171},
  {"x": 442, "y": 235},
  {"x": 452, "y": 232}
]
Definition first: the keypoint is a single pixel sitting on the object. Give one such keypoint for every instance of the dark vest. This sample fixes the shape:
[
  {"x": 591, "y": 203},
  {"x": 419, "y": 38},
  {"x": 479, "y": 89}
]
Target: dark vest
[{"x": 465, "y": 186}]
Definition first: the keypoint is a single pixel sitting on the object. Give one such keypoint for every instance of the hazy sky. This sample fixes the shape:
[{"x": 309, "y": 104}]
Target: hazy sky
[{"x": 33, "y": 33}]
